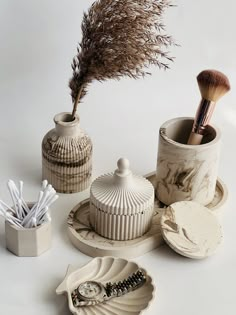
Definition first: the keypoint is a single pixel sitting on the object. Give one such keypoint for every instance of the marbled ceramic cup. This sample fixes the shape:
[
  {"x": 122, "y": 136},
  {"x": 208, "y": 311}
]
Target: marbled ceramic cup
[{"x": 186, "y": 172}]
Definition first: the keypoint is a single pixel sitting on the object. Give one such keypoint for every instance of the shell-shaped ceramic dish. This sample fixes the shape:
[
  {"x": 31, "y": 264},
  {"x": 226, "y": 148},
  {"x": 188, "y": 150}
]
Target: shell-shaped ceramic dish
[{"x": 108, "y": 269}]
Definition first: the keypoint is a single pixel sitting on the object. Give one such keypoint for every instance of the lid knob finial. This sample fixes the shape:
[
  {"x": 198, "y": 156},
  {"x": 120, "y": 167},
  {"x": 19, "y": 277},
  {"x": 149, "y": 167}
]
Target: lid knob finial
[
  {"x": 123, "y": 167},
  {"x": 123, "y": 164}
]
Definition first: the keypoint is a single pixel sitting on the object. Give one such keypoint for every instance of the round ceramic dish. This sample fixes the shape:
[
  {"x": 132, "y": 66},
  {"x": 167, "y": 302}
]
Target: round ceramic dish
[
  {"x": 83, "y": 236},
  {"x": 108, "y": 269},
  {"x": 191, "y": 229}
]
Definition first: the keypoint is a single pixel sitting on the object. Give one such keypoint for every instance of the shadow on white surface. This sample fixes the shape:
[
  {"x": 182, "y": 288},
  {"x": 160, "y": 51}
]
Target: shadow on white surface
[
  {"x": 2, "y": 240},
  {"x": 64, "y": 309},
  {"x": 167, "y": 253},
  {"x": 64, "y": 235},
  {"x": 59, "y": 302}
]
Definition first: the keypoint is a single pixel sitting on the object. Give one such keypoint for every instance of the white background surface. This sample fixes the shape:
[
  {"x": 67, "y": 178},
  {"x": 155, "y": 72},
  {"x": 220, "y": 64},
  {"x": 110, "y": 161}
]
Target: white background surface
[{"x": 38, "y": 41}]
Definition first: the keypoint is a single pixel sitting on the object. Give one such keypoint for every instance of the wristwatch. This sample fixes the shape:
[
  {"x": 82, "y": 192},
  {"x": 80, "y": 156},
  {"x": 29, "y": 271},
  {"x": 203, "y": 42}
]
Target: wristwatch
[{"x": 93, "y": 292}]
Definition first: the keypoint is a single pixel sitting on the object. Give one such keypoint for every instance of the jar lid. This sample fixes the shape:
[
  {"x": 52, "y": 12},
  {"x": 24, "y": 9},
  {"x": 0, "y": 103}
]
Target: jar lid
[
  {"x": 191, "y": 229},
  {"x": 122, "y": 192}
]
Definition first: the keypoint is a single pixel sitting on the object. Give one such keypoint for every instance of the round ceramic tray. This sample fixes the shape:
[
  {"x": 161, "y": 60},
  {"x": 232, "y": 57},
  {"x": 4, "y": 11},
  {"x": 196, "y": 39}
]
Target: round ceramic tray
[
  {"x": 90, "y": 243},
  {"x": 217, "y": 204},
  {"x": 108, "y": 269}
]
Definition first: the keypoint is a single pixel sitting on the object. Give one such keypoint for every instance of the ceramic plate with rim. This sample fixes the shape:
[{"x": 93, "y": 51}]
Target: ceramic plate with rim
[
  {"x": 108, "y": 269},
  {"x": 191, "y": 229}
]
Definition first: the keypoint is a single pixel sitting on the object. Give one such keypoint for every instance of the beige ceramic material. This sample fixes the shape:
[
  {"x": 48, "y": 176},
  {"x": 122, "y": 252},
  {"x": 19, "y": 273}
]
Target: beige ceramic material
[
  {"x": 108, "y": 269},
  {"x": 216, "y": 205},
  {"x": 121, "y": 204},
  {"x": 191, "y": 229},
  {"x": 28, "y": 242},
  {"x": 67, "y": 155},
  {"x": 186, "y": 172},
  {"x": 90, "y": 243}
]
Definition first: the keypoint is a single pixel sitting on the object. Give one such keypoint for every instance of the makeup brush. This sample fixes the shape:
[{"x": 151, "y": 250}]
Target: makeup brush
[{"x": 213, "y": 85}]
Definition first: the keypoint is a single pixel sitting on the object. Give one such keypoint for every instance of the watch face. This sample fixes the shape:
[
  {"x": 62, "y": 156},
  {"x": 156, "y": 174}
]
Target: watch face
[{"x": 89, "y": 289}]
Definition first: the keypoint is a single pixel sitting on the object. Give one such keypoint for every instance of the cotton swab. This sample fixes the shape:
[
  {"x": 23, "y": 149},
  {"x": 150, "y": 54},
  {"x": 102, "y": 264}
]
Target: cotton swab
[
  {"x": 7, "y": 207},
  {"x": 44, "y": 184},
  {"x": 12, "y": 196},
  {"x": 20, "y": 214},
  {"x": 31, "y": 212}
]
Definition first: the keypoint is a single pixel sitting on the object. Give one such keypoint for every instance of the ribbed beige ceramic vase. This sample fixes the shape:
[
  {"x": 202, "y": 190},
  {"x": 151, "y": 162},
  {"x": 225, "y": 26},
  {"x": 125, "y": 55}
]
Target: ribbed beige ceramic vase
[{"x": 67, "y": 155}]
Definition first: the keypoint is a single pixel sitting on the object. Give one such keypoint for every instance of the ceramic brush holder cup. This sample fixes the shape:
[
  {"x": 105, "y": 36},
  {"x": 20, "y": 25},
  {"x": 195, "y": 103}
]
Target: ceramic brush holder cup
[
  {"x": 186, "y": 172},
  {"x": 121, "y": 204},
  {"x": 67, "y": 155}
]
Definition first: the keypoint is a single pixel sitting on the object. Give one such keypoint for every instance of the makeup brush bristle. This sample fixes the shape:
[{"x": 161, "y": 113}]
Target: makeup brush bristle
[{"x": 213, "y": 84}]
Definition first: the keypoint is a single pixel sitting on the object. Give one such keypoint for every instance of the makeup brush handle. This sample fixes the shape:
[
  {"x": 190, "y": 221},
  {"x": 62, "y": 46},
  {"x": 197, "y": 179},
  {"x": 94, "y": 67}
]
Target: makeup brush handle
[{"x": 195, "y": 138}]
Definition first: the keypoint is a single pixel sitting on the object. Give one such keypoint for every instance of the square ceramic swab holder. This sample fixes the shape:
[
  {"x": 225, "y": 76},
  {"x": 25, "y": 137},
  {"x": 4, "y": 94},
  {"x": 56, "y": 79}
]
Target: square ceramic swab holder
[
  {"x": 28, "y": 242},
  {"x": 28, "y": 224}
]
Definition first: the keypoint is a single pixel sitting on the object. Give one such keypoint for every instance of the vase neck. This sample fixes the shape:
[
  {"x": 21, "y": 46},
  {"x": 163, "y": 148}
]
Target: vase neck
[{"x": 65, "y": 126}]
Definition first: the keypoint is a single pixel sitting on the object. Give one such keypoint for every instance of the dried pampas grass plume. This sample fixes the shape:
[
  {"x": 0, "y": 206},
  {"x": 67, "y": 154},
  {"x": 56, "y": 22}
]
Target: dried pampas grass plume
[{"x": 119, "y": 38}]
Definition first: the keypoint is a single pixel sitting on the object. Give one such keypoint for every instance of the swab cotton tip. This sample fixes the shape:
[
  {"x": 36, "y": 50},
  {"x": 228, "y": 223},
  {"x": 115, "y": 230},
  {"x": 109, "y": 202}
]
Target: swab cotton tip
[
  {"x": 6, "y": 206},
  {"x": 21, "y": 188},
  {"x": 22, "y": 215},
  {"x": 44, "y": 184},
  {"x": 48, "y": 217},
  {"x": 48, "y": 189},
  {"x": 53, "y": 200},
  {"x": 34, "y": 221}
]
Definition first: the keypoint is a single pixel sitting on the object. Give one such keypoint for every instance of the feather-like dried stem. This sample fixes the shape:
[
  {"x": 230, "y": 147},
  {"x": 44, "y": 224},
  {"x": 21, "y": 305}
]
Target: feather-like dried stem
[
  {"x": 76, "y": 102},
  {"x": 119, "y": 38}
]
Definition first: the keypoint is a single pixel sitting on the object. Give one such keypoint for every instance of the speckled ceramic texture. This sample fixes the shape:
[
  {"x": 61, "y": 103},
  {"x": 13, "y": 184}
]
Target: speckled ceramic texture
[
  {"x": 121, "y": 204},
  {"x": 186, "y": 172},
  {"x": 108, "y": 269},
  {"x": 67, "y": 156}
]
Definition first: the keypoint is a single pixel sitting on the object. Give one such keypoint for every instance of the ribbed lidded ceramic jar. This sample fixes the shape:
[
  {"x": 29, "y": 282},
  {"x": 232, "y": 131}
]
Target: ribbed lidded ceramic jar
[
  {"x": 67, "y": 155},
  {"x": 121, "y": 204}
]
